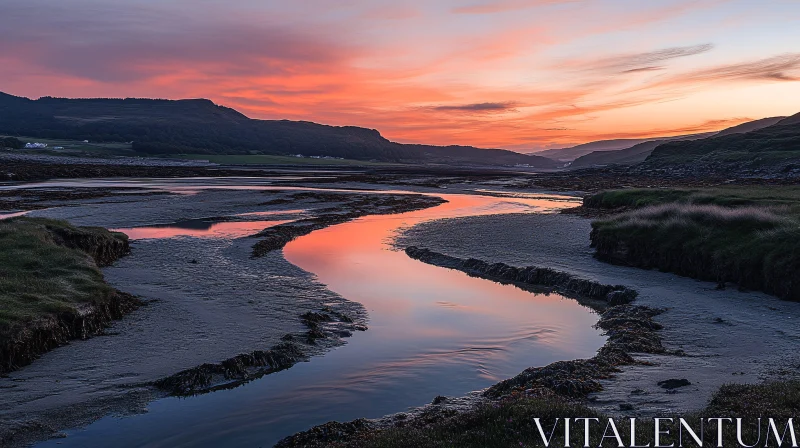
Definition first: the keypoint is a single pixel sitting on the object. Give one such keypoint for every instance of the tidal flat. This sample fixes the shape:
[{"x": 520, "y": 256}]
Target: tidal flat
[{"x": 230, "y": 329}]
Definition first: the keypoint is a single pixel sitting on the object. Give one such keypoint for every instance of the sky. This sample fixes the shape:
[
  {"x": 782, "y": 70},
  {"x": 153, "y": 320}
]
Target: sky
[{"x": 517, "y": 74}]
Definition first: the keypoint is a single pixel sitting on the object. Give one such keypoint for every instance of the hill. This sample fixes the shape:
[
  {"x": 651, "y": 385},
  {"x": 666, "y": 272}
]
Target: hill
[
  {"x": 750, "y": 126},
  {"x": 770, "y": 149},
  {"x": 628, "y": 156},
  {"x": 572, "y": 153},
  {"x": 639, "y": 153},
  {"x": 198, "y": 126}
]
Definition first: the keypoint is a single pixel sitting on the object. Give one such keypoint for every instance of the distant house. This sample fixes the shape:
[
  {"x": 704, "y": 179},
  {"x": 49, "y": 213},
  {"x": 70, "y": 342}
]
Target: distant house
[{"x": 35, "y": 145}]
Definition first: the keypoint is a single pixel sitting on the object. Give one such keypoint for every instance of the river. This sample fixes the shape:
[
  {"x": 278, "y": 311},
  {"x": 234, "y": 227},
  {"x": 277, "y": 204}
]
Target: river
[{"x": 432, "y": 331}]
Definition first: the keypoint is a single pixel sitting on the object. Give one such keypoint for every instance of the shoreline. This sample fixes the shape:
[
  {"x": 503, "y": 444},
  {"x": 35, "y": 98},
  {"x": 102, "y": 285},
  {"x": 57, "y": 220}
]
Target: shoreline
[
  {"x": 243, "y": 368},
  {"x": 23, "y": 342},
  {"x": 630, "y": 329},
  {"x": 610, "y": 383},
  {"x": 325, "y": 326}
]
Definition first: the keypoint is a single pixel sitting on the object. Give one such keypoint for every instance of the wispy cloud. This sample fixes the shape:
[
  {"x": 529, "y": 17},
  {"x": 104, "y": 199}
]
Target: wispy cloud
[
  {"x": 784, "y": 67},
  {"x": 427, "y": 72},
  {"x": 478, "y": 107},
  {"x": 636, "y": 62}
]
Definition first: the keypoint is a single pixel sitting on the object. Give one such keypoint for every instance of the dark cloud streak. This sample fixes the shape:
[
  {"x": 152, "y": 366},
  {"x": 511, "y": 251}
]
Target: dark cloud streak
[
  {"x": 478, "y": 107},
  {"x": 637, "y": 62}
]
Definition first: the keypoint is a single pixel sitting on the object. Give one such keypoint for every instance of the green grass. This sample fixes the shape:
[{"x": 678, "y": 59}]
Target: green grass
[
  {"x": 40, "y": 276},
  {"x": 258, "y": 159},
  {"x": 748, "y": 236},
  {"x": 767, "y": 196}
]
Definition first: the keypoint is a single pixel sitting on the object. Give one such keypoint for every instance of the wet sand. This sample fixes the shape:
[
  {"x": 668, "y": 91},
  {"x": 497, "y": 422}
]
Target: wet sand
[
  {"x": 728, "y": 336},
  {"x": 209, "y": 300},
  {"x": 224, "y": 304}
]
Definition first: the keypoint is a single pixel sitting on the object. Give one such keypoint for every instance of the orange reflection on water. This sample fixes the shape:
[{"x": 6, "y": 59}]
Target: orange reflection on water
[
  {"x": 413, "y": 304},
  {"x": 199, "y": 229}
]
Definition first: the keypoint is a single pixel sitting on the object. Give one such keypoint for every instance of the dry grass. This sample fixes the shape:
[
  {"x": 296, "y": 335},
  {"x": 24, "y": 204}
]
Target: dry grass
[{"x": 755, "y": 247}]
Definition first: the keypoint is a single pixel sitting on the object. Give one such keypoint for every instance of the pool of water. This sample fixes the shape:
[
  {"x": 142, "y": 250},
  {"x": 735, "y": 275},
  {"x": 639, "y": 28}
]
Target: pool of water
[{"x": 432, "y": 332}]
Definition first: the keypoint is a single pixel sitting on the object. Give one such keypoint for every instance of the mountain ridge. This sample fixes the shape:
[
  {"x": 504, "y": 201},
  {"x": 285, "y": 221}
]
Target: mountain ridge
[
  {"x": 199, "y": 126},
  {"x": 639, "y": 153}
]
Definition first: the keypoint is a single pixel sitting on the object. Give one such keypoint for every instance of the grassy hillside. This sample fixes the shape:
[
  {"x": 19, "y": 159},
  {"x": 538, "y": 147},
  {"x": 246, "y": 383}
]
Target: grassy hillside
[
  {"x": 750, "y": 236},
  {"x": 164, "y": 127},
  {"x": 773, "y": 146},
  {"x": 751, "y": 126},
  {"x": 572, "y": 153},
  {"x": 628, "y": 156},
  {"x": 640, "y": 152}
]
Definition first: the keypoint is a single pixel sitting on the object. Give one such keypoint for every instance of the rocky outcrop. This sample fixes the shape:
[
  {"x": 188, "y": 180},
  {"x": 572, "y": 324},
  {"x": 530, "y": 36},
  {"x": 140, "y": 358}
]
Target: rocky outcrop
[
  {"x": 561, "y": 282},
  {"x": 233, "y": 371},
  {"x": 103, "y": 246}
]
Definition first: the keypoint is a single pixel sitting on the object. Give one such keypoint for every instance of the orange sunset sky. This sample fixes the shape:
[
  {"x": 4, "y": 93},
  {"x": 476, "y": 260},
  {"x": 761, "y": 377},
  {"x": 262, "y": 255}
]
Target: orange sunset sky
[{"x": 517, "y": 74}]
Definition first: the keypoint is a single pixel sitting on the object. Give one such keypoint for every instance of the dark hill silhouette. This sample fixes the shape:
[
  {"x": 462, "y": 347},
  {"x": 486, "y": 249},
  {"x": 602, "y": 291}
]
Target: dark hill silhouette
[
  {"x": 639, "y": 153},
  {"x": 750, "y": 126},
  {"x": 628, "y": 156},
  {"x": 198, "y": 126},
  {"x": 775, "y": 145},
  {"x": 572, "y": 153}
]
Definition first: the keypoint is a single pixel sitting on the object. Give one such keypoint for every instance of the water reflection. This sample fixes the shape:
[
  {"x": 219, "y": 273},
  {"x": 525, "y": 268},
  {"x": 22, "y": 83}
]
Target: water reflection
[
  {"x": 432, "y": 331},
  {"x": 199, "y": 228}
]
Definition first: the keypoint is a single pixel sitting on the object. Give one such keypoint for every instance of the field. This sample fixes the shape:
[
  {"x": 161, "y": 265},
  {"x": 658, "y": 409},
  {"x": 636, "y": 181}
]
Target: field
[
  {"x": 107, "y": 149},
  {"x": 78, "y": 147}
]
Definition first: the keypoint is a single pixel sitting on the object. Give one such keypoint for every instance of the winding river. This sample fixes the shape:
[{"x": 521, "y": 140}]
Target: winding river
[{"x": 432, "y": 332}]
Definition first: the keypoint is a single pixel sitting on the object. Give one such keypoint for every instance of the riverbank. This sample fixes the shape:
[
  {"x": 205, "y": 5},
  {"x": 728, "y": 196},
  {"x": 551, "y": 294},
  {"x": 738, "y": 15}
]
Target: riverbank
[
  {"x": 546, "y": 390},
  {"x": 51, "y": 288},
  {"x": 748, "y": 237},
  {"x": 512, "y": 422},
  {"x": 692, "y": 308},
  {"x": 734, "y": 347},
  {"x": 263, "y": 315}
]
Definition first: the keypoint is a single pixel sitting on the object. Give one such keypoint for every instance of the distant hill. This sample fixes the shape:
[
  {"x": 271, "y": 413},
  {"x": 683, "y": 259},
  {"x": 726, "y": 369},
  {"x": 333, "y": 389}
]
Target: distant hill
[
  {"x": 198, "y": 126},
  {"x": 768, "y": 149},
  {"x": 629, "y": 156},
  {"x": 750, "y": 126},
  {"x": 572, "y": 153},
  {"x": 639, "y": 153}
]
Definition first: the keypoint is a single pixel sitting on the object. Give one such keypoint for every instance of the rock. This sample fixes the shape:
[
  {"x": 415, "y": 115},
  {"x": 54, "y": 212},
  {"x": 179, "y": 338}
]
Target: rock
[
  {"x": 623, "y": 297},
  {"x": 439, "y": 400},
  {"x": 674, "y": 383}
]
